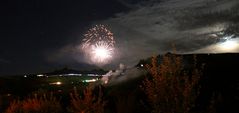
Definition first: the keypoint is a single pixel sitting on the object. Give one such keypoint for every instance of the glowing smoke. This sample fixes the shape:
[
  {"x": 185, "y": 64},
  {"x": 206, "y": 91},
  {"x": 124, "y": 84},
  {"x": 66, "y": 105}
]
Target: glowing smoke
[
  {"x": 98, "y": 45},
  {"x": 122, "y": 74}
]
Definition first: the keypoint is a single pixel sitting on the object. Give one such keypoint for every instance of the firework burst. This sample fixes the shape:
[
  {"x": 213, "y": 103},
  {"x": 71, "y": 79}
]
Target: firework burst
[{"x": 98, "y": 45}]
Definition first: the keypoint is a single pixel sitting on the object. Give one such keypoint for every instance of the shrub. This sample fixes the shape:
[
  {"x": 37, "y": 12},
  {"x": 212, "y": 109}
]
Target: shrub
[
  {"x": 88, "y": 102},
  {"x": 14, "y": 107},
  {"x": 36, "y": 104},
  {"x": 170, "y": 89}
]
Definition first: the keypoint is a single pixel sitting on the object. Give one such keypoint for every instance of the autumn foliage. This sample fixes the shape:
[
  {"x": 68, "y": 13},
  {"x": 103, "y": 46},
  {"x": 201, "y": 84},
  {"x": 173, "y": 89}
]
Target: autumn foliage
[
  {"x": 169, "y": 88},
  {"x": 36, "y": 104},
  {"x": 88, "y": 102}
]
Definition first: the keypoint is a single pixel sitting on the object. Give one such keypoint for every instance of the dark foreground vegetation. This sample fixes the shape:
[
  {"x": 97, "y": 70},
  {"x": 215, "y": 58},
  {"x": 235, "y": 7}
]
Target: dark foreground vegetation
[{"x": 173, "y": 84}]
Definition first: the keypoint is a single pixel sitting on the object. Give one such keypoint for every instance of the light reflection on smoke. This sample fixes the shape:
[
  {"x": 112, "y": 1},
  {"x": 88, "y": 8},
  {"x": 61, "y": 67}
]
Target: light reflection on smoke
[{"x": 120, "y": 75}]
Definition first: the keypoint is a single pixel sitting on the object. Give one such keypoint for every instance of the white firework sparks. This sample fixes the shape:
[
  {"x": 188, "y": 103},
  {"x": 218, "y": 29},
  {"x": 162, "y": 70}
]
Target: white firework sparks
[
  {"x": 101, "y": 52},
  {"x": 98, "y": 45}
]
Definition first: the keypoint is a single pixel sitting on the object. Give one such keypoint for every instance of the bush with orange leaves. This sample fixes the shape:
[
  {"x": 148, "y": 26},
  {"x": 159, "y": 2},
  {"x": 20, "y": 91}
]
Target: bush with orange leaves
[
  {"x": 88, "y": 102},
  {"x": 36, "y": 104},
  {"x": 170, "y": 89}
]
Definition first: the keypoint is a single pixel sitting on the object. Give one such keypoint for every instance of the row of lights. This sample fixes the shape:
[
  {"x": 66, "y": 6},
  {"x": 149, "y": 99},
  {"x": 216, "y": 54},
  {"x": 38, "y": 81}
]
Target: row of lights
[{"x": 60, "y": 83}]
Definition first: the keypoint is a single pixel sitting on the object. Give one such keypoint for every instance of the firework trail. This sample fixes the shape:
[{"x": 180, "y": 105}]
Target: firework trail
[{"x": 98, "y": 45}]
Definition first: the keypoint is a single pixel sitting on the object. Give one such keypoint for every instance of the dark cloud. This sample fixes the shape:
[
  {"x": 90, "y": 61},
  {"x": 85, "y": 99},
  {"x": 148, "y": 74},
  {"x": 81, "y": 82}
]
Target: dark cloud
[{"x": 151, "y": 27}]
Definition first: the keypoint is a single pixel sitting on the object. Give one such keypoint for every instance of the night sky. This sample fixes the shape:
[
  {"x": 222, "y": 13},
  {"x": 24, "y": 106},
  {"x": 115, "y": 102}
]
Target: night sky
[{"x": 43, "y": 35}]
